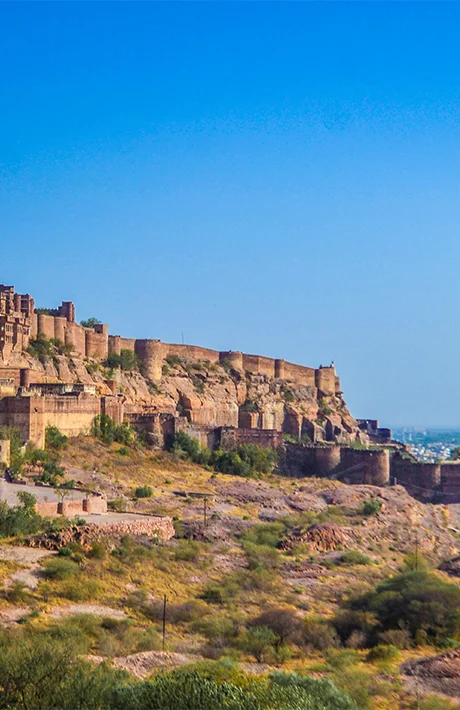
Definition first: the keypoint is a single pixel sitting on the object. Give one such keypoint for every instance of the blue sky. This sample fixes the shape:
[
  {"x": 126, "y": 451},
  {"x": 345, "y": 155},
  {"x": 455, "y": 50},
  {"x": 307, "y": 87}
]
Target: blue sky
[{"x": 278, "y": 178}]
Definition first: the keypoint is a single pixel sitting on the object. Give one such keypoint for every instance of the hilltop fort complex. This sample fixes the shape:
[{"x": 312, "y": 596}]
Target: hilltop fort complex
[{"x": 54, "y": 371}]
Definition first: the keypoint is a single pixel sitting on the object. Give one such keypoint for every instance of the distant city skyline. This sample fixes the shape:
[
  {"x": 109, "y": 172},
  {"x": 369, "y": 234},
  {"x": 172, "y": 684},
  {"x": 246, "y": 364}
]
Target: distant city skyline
[{"x": 277, "y": 178}]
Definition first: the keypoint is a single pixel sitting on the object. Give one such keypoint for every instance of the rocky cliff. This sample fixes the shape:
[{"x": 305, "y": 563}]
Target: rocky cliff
[{"x": 207, "y": 394}]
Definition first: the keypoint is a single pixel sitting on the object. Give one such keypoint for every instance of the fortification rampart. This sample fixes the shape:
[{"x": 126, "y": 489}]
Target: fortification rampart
[
  {"x": 370, "y": 466},
  {"x": 72, "y": 413},
  {"x": 153, "y": 354},
  {"x": 20, "y": 322}
]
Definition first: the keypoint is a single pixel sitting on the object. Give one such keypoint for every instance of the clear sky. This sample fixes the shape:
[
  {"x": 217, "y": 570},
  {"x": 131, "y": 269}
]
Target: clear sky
[{"x": 278, "y": 178}]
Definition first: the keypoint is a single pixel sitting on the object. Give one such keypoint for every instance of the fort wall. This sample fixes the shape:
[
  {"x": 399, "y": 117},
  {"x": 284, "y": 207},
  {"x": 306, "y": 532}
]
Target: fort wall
[
  {"x": 150, "y": 352},
  {"x": 73, "y": 414},
  {"x": 299, "y": 374},
  {"x": 422, "y": 480},
  {"x": 234, "y": 358},
  {"x": 374, "y": 465},
  {"x": 97, "y": 342},
  {"x": 325, "y": 380},
  {"x": 231, "y": 438},
  {"x": 369, "y": 466},
  {"x": 191, "y": 352},
  {"x": 450, "y": 482},
  {"x": 75, "y": 337},
  {"x": 327, "y": 459}
]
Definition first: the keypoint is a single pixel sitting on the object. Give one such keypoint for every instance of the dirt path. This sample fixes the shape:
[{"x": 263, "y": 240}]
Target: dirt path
[
  {"x": 27, "y": 557},
  {"x": 23, "y": 555},
  {"x": 58, "y": 612},
  {"x": 141, "y": 665}
]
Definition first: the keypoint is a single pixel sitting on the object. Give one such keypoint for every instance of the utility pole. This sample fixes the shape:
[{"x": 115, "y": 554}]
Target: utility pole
[
  {"x": 205, "y": 510},
  {"x": 164, "y": 621},
  {"x": 416, "y": 550}
]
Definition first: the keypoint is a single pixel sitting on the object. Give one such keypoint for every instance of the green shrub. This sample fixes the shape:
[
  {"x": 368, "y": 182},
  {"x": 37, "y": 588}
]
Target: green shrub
[
  {"x": 187, "y": 447},
  {"x": 22, "y": 519},
  {"x": 17, "y": 593},
  {"x": 354, "y": 621},
  {"x": 247, "y": 460},
  {"x": 371, "y": 507},
  {"x": 260, "y": 557},
  {"x": 260, "y": 642},
  {"x": 40, "y": 348},
  {"x": 214, "y": 593},
  {"x": 52, "y": 474},
  {"x": 354, "y": 557},
  {"x": 104, "y": 428},
  {"x": 60, "y": 569},
  {"x": 230, "y": 462},
  {"x": 54, "y": 439},
  {"x": 269, "y": 534},
  {"x": 187, "y": 550},
  {"x": 413, "y": 562},
  {"x": 173, "y": 360},
  {"x": 318, "y": 635},
  {"x": 84, "y": 590},
  {"x": 97, "y": 551},
  {"x": 65, "y": 552},
  {"x": 191, "y": 611},
  {"x": 284, "y": 623},
  {"x": 143, "y": 492},
  {"x": 416, "y": 601},
  {"x": 383, "y": 653},
  {"x": 127, "y": 360}
]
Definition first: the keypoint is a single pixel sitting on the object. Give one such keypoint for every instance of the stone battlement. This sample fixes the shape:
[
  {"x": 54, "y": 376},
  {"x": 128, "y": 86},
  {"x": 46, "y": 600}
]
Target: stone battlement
[
  {"x": 21, "y": 322},
  {"x": 154, "y": 353}
]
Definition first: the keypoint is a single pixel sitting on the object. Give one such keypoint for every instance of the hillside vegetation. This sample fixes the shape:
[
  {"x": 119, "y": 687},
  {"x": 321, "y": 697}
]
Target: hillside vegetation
[{"x": 270, "y": 582}]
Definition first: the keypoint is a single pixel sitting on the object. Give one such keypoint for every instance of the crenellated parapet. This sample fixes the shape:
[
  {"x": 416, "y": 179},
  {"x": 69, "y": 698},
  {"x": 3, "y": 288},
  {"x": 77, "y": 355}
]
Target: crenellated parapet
[
  {"x": 20, "y": 322},
  {"x": 154, "y": 353}
]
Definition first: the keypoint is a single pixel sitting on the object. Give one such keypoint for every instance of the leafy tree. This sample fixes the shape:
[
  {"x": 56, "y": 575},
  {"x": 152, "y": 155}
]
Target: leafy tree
[
  {"x": 283, "y": 622},
  {"x": 38, "y": 672},
  {"x": 113, "y": 361},
  {"x": 105, "y": 428},
  {"x": 127, "y": 360},
  {"x": 247, "y": 460},
  {"x": 183, "y": 691},
  {"x": 186, "y": 446},
  {"x": 16, "y": 449},
  {"x": 455, "y": 454},
  {"x": 261, "y": 460},
  {"x": 259, "y": 641},
  {"x": 417, "y": 601},
  {"x": 188, "y": 690},
  {"x": 232, "y": 463},
  {"x": 51, "y": 473},
  {"x": 41, "y": 348},
  {"x": 21, "y": 519},
  {"x": 90, "y": 322},
  {"x": 54, "y": 439}
]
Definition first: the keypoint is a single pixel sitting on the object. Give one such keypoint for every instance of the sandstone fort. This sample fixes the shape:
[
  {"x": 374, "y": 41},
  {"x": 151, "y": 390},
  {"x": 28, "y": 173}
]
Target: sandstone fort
[{"x": 221, "y": 398}]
